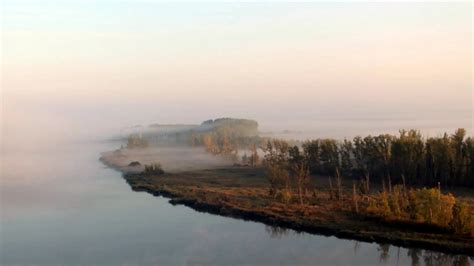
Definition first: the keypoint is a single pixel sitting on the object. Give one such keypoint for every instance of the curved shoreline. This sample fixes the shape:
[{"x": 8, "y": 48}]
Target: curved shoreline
[{"x": 351, "y": 229}]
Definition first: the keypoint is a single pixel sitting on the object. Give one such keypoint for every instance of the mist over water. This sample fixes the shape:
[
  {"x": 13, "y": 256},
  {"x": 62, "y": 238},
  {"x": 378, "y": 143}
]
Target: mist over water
[
  {"x": 61, "y": 206},
  {"x": 76, "y": 74}
]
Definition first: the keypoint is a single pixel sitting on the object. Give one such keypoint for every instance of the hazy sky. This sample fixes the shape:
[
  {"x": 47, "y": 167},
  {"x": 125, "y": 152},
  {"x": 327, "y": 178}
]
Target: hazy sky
[{"x": 89, "y": 65}]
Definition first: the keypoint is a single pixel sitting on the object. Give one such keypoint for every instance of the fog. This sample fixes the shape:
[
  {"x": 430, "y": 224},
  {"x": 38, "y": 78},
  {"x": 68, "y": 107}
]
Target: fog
[
  {"x": 76, "y": 75},
  {"x": 73, "y": 70},
  {"x": 172, "y": 159}
]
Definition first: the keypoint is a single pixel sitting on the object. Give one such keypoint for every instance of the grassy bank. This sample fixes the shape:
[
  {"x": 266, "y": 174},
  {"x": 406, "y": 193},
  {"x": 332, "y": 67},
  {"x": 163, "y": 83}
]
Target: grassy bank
[{"x": 242, "y": 192}]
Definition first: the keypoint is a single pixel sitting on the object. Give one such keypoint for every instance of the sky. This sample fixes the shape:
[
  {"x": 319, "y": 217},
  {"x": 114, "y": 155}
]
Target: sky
[{"x": 73, "y": 68}]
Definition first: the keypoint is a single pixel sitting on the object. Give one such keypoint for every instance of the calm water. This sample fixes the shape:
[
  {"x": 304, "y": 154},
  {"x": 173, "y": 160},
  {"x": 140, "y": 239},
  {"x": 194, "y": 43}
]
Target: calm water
[{"x": 61, "y": 206}]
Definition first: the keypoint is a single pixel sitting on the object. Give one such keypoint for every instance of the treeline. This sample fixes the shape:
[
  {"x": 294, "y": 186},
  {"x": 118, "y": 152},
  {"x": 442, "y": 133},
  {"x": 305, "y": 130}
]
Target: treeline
[
  {"x": 222, "y": 142},
  {"x": 225, "y": 135},
  {"x": 288, "y": 168},
  {"x": 408, "y": 157},
  {"x": 218, "y": 136},
  {"x": 136, "y": 141}
]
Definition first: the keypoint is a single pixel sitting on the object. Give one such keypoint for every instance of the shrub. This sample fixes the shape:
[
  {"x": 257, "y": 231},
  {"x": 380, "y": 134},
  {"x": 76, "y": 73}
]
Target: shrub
[
  {"x": 277, "y": 176},
  {"x": 153, "y": 169},
  {"x": 429, "y": 205},
  {"x": 284, "y": 196},
  {"x": 424, "y": 206},
  {"x": 462, "y": 221},
  {"x": 393, "y": 203},
  {"x": 380, "y": 206}
]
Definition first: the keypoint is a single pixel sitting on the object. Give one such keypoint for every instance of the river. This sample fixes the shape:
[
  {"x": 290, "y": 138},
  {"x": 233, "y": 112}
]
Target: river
[{"x": 61, "y": 206}]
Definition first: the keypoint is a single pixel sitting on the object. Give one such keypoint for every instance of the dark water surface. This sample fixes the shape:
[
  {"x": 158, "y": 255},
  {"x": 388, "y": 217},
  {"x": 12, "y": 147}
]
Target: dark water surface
[{"x": 61, "y": 206}]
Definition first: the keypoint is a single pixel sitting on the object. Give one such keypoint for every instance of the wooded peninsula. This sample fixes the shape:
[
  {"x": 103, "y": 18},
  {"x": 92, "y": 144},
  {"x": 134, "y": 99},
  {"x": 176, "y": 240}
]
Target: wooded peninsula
[{"x": 405, "y": 189}]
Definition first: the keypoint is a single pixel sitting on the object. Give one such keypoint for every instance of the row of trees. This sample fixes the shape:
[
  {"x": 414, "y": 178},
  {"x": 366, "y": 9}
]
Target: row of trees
[
  {"x": 136, "y": 141},
  {"x": 222, "y": 141},
  {"x": 288, "y": 168},
  {"x": 408, "y": 157}
]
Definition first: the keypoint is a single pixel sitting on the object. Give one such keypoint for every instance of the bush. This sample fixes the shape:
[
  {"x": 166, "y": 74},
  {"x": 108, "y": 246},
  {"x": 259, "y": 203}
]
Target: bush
[
  {"x": 462, "y": 221},
  {"x": 277, "y": 176},
  {"x": 153, "y": 169},
  {"x": 399, "y": 202},
  {"x": 431, "y": 206},
  {"x": 284, "y": 196},
  {"x": 390, "y": 205},
  {"x": 424, "y": 206}
]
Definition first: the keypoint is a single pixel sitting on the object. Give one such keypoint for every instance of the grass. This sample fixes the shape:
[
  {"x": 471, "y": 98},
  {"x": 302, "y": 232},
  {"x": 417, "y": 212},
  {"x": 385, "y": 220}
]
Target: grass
[{"x": 242, "y": 192}]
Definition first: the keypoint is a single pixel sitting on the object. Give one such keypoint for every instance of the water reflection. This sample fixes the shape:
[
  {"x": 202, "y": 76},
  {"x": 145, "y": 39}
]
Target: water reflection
[
  {"x": 276, "y": 231},
  {"x": 384, "y": 252},
  {"x": 414, "y": 256},
  {"x": 69, "y": 210},
  {"x": 430, "y": 258}
]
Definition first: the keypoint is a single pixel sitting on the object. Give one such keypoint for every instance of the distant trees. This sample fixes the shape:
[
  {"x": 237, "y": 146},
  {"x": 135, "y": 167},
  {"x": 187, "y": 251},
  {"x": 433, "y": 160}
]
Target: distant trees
[
  {"x": 407, "y": 157},
  {"x": 254, "y": 158},
  {"x": 136, "y": 141},
  {"x": 386, "y": 158},
  {"x": 224, "y": 141}
]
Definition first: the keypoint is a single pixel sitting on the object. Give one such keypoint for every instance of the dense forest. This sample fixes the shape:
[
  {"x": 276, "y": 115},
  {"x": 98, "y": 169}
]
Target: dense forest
[
  {"x": 218, "y": 136},
  {"x": 387, "y": 173},
  {"x": 394, "y": 161},
  {"x": 408, "y": 157},
  {"x": 225, "y": 135}
]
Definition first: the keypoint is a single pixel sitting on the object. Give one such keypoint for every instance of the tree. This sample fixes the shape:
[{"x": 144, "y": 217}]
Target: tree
[
  {"x": 136, "y": 141},
  {"x": 245, "y": 159},
  {"x": 300, "y": 170},
  {"x": 459, "y": 158},
  {"x": 254, "y": 158},
  {"x": 408, "y": 156},
  {"x": 312, "y": 150},
  {"x": 277, "y": 152},
  {"x": 469, "y": 150},
  {"x": 346, "y": 151},
  {"x": 440, "y": 158},
  {"x": 462, "y": 221},
  {"x": 329, "y": 156},
  {"x": 278, "y": 178}
]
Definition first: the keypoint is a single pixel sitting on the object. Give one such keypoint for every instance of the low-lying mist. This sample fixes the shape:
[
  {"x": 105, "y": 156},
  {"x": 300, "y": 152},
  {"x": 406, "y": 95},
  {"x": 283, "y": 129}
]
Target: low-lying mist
[{"x": 172, "y": 159}]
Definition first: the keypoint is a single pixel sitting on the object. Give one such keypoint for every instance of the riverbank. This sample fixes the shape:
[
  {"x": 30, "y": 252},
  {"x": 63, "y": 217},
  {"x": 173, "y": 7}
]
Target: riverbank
[{"x": 242, "y": 192}]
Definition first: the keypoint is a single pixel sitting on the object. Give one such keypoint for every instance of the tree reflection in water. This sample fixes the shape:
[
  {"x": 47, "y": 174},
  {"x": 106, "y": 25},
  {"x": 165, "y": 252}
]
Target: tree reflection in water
[
  {"x": 276, "y": 232},
  {"x": 384, "y": 252},
  {"x": 430, "y": 258},
  {"x": 418, "y": 257}
]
